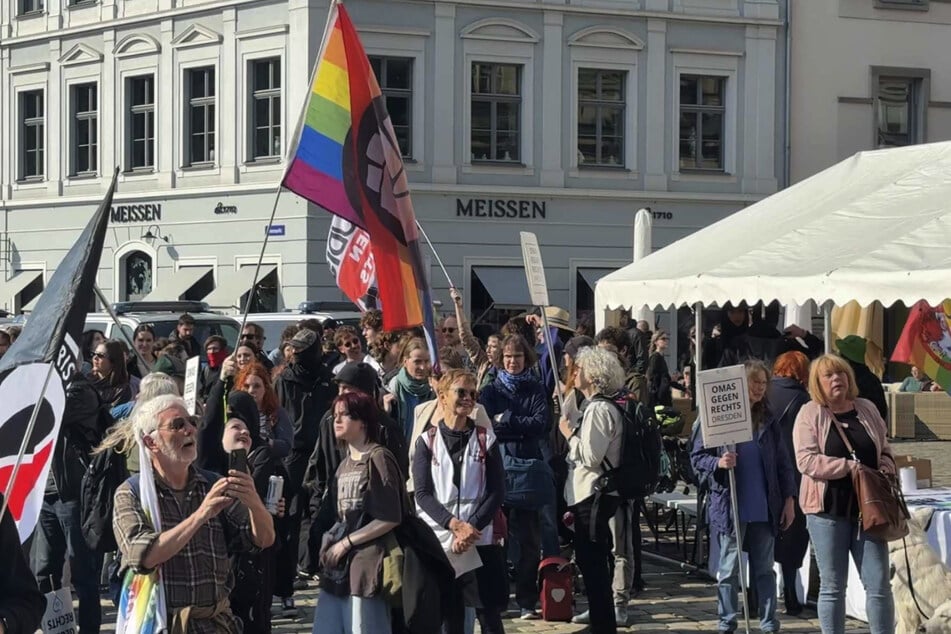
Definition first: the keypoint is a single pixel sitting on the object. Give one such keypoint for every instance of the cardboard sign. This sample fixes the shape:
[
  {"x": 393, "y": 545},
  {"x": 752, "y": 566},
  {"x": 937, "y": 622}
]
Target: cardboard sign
[
  {"x": 59, "y": 617},
  {"x": 191, "y": 384},
  {"x": 724, "y": 403},
  {"x": 534, "y": 269}
]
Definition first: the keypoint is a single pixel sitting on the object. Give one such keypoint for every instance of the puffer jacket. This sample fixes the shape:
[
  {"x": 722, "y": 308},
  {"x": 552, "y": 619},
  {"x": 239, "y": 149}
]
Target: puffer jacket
[
  {"x": 524, "y": 422},
  {"x": 780, "y": 479},
  {"x": 82, "y": 429}
]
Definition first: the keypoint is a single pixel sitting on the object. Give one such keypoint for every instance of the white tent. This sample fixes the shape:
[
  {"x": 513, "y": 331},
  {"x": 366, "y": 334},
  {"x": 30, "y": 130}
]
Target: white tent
[{"x": 875, "y": 226}]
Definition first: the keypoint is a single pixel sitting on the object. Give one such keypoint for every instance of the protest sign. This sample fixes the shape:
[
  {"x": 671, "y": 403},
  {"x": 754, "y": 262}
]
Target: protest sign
[
  {"x": 190, "y": 392},
  {"x": 724, "y": 404},
  {"x": 59, "y": 617},
  {"x": 534, "y": 269}
]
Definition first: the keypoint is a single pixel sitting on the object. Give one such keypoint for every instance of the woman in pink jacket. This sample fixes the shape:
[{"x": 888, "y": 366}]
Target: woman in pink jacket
[{"x": 828, "y": 499}]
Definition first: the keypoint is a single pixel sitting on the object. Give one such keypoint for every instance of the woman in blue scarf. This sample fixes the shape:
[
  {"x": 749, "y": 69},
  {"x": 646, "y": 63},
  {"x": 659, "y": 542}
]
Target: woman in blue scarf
[
  {"x": 410, "y": 387},
  {"x": 517, "y": 403}
]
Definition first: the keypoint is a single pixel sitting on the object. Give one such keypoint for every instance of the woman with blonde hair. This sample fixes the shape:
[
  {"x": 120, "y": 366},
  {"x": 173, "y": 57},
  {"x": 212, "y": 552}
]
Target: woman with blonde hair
[
  {"x": 410, "y": 387},
  {"x": 828, "y": 499}
]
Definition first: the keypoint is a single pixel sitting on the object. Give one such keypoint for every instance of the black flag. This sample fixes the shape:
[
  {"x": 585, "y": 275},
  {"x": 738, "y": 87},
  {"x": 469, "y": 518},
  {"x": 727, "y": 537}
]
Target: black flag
[{"x": 47, "y": 349}]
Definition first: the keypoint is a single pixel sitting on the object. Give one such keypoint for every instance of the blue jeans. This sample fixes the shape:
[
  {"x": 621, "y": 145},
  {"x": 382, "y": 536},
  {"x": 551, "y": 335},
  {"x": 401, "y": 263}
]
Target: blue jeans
[
  {"x": 346, "y": 615},
  {"x": 59, "y": 535},
  {"x": 833, "y": 539},
  {"x": 758, "y": 543},
  {"x": 548, "y": 515}
]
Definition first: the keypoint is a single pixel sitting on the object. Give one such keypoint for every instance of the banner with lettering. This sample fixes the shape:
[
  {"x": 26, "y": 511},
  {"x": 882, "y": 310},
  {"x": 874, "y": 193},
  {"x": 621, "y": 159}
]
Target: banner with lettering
[{"x": 350, "y": 259}]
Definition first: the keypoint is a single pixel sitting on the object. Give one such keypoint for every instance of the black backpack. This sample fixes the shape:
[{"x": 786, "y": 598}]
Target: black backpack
[
  {"x": 107, "y": 470},
  {"x": 639, "y": 470}
]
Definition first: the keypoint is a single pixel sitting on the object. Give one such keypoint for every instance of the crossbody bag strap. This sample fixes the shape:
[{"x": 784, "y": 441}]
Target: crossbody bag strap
[{"x": 845, "y": 439}]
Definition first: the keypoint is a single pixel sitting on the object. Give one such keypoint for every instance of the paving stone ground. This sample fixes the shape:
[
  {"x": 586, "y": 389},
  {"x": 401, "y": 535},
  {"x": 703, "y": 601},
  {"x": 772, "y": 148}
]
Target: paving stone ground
[{"x": 674, "y": 601}]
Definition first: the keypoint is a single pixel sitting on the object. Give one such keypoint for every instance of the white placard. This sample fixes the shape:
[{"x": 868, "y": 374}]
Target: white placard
[
  {"x": 724, "y": 403},
  {"x": 191, "y": 384},
  {"x": 534, "y": 269},
  {"x": 59, "y": 617}
]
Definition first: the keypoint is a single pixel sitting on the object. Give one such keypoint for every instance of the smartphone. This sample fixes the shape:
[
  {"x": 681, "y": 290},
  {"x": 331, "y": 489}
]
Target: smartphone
[{"x": 238, "y": 460}]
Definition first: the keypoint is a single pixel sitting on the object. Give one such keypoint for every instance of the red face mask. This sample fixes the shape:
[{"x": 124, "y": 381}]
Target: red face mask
[{"x": 215, "y": 359}]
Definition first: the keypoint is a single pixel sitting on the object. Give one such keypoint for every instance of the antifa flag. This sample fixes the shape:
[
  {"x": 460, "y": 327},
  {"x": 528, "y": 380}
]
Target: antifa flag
[
  {"x": 47, "y": 349},
  {"x": 926, "y": 342},
  {"x": 351, "y": 262}
]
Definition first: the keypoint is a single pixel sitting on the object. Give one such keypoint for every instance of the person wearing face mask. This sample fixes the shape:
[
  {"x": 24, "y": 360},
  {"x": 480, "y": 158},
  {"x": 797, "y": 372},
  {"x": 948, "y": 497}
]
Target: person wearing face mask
[
  {"x": 216, "y": 351},
  {"x": 517, "y": 403},
  {"x": 765, "y": 491},
  {"x": 254, "y": 573},
  {"x": 459, "y": 487},
  {"x": 410, "y": 387}
]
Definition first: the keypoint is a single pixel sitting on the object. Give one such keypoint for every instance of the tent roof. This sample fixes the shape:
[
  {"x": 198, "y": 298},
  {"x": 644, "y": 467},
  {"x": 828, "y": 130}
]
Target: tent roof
[{"x": 876, "y": 226}]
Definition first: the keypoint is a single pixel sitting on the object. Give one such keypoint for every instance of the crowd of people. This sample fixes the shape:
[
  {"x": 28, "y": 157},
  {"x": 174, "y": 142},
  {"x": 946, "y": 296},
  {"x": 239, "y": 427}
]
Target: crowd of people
[{"x": 500, "y": 453}]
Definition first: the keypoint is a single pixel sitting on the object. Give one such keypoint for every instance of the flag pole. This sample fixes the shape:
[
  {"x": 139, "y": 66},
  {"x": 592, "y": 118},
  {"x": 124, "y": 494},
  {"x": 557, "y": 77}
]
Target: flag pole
[
  {"x": 26, "y": 440},
  {"x": 291, "y": 149},
  {"x": 433, "y": 249},
  {"x": 115, "y": 320}
]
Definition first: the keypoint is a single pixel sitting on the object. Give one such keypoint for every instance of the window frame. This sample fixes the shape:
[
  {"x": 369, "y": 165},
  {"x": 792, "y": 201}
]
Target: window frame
[
  {"x": 91, "y": 140},
  {"x": 399, "y": 93},
  {"x": 148, "y": 110},
  {"x": 599, "y": 103},
  {"x": 699, "y": 110},
  {"x": 209, "y": 159},
  {"x": 24, "y": 125},
  {"x": 494, "y": 99},
  {"x": 37, "y": 7},
  {"x": 920, "y": 80},
  {"x": 274, "y": 96}
]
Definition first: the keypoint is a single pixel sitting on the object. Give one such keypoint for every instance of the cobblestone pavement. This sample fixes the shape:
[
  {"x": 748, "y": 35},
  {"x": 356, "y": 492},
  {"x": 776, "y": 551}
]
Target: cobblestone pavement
[{"x": 674, "y": 601}]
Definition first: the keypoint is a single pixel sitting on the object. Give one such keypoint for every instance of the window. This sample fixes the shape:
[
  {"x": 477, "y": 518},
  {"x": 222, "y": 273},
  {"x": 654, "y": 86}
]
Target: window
[
  {"x": 897, "y": 110},
  {"x": 85, "y": 117},
  {"x": 140, "y": 93},
  {"x": 32, "y": 124},
  {"x": 137, "y": 280},
  {"x": 701, "y": 122},
  {"x": 266, "y": 108},
  {"x": 200, "y": 133},
  {"x": 902, "y": 4},
  {"x": 601, "y": 117},
  {"x": 395, "y": 76},
  {"x": 496, "y": 112},
  {"x": 31, "y": 6}
]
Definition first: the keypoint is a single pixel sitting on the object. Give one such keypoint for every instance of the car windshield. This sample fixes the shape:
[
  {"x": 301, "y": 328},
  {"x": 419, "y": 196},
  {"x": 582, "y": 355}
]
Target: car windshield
[{"x": 203, "y": 330}]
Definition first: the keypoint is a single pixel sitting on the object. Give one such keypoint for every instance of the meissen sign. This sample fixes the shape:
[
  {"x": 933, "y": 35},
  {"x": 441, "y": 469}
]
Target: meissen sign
[
  {"x": 147, "y": 212},
  {"x": 499, "y": 208}
]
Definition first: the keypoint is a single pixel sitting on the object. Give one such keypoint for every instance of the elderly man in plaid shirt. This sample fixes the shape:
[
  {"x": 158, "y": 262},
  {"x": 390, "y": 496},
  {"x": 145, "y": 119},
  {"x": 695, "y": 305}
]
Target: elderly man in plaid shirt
[{"x": 205, "y": 519}]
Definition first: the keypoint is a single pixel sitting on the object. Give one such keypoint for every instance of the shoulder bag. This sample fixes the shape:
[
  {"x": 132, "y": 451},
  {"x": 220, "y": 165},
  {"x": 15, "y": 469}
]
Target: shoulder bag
[{"x": 882, "y": 511}]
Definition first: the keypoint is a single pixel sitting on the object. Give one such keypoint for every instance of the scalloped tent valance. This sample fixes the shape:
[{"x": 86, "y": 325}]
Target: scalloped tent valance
[{"x": 876, "y": 226}]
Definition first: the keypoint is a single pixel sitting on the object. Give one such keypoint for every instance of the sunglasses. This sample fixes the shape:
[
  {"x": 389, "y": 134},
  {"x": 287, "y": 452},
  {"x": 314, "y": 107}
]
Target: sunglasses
[
  {"x": 447, "y": 331},
  {"x": 353, "y": 343},
  {"x": 462, "y": 392},
  {"x": 178, "y": 423},
  {"x": 99, "y": 355},
  {"x": 243, "y": 337}
]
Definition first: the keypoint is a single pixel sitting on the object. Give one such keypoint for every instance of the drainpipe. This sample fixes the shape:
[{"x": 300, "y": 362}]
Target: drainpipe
[{"x": 787, "y": 150}]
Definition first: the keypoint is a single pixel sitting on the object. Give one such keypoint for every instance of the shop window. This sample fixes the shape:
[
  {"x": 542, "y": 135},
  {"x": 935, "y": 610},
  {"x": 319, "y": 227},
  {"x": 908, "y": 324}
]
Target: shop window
[{"x": 264, "y": 297}]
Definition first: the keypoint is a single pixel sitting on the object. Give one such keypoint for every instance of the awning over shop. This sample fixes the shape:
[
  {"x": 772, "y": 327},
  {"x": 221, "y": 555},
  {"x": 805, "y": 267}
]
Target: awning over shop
[
  {"x": 174, "y": 287},
  {"x": 592, "y": 275},
  {"x": 505, "y": 284},
  {"x": 233, "y": 286},
  {"x": 15, "y": 285}
]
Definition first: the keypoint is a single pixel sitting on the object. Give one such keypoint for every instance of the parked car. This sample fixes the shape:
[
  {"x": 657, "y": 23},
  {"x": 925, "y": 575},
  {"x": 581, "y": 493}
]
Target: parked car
[
  {"x": 274, "y": 323},
  {"x": 163, "y": 318}
]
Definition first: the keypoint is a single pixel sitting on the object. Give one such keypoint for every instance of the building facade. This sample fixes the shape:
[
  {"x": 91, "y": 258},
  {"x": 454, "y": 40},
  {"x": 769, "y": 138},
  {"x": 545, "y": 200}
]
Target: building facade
[{"x": 560, "y": 119}]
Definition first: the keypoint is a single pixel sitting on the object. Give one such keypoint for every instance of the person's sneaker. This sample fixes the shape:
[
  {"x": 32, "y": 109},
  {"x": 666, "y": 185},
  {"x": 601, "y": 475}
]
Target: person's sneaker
[
  {"x": 582, "y": 619},
  {"x": 529, "y": 615},
  {"x": 288, "y": 609},
  {"x": 620, "y": 615},
  {"x": 301, "y": 583}
]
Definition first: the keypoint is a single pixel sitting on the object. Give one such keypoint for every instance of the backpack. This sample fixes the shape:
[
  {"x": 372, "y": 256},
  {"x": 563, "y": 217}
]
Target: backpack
[
  {"x": 639, "y": 470},
  {"x": 105, "y": 472}
]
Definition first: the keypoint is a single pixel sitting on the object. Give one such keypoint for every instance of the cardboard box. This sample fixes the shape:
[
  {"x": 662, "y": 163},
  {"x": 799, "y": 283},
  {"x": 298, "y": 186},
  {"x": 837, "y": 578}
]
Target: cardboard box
[{"x": 922, "y": 469}]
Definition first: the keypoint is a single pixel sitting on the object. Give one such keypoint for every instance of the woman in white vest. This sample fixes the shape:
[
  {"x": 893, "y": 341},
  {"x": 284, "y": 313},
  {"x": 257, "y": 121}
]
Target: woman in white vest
[{"x": 459, "y": 487}]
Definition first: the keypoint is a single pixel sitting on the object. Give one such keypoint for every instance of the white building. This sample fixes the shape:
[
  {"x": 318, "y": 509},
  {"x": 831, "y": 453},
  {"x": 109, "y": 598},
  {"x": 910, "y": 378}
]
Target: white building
[{"x": 562, "y": 119}]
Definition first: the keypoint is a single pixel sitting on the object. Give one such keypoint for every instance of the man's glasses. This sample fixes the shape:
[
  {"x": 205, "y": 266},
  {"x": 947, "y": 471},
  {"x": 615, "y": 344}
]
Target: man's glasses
[
  {"x": 462, "y": 392},
  {"x": 250, "y": 336},
  {"x": 448, "y": 331},
  {"x": 179, "y": 423},
  {"x": 353, "y": 343}
]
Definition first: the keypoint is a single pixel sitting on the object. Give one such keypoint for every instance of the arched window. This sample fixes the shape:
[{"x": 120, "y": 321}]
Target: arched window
[{"x": 136, "y": 276}]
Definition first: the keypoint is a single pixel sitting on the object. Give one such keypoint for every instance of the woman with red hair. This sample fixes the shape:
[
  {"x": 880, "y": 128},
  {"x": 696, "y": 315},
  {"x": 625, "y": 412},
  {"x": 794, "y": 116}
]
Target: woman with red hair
[
  {"x": 276, "y": 426},
  {"x": 787, "y": 394}
]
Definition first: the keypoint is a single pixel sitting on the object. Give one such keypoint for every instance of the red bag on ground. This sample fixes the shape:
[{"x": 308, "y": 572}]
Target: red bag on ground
[{"x": 556, "y": 582}]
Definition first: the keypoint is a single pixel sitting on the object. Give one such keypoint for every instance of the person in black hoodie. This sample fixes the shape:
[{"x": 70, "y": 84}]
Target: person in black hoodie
[
  {"x": 21, "y": 602},
  {"x": 254, "y": 572},
  {"x": 305, "y": 391},
  {"x": 58, "y": 530}
]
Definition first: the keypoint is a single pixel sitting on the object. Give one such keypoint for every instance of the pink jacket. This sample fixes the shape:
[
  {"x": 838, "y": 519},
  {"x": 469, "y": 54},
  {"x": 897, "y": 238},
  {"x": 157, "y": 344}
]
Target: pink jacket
[{"x": 809, "y": 438}]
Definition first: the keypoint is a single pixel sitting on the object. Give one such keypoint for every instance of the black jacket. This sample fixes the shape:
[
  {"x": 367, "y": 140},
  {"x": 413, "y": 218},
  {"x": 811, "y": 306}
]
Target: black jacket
[
  {"x": 870, "y": 387},
  {"x": 640, "y": 349},
  {"x": 21, "y": 602},
  {"x": 786, "y": 396},
  {"x": 85, "y": 422},
  {"x": 211, "y": 455},
  {"x": 190, "y": 344}
]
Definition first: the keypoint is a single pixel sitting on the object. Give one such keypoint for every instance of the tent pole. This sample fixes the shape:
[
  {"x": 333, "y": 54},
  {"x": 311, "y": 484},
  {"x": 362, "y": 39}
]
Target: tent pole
[
  {"x": 698, "y": 336},
  {"x": 827, "y": 325}
]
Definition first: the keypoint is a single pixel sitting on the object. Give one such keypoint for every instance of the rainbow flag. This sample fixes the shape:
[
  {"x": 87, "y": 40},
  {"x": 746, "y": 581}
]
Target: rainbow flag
[
  {"x": 347, "y": 160},
  {"x": 926, "y": 342}
]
